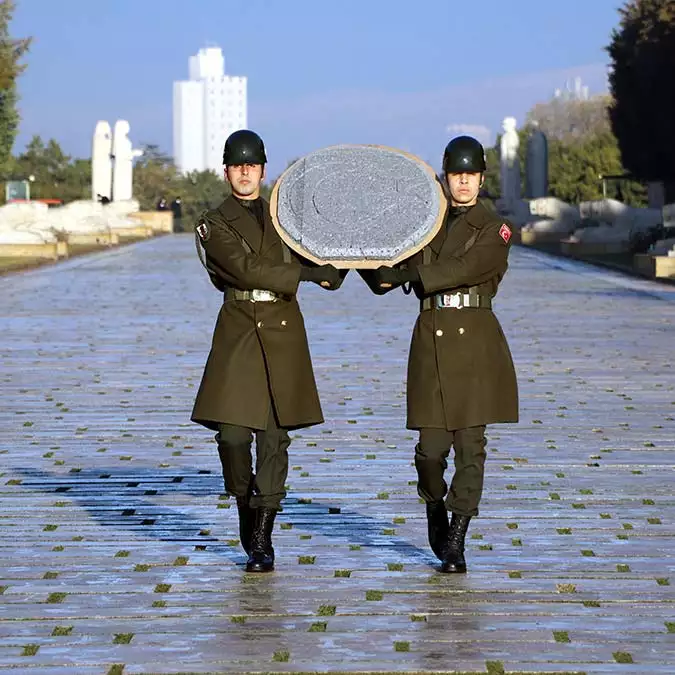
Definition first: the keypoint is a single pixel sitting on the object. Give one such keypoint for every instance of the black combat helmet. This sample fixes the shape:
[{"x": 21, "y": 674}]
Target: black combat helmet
[
  {"x": 244, "y": 147},
  {"x": 464, "y": 154}
]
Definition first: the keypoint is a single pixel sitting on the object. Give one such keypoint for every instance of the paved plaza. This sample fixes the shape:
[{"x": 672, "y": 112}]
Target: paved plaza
[{"x": 119, "y": 553}]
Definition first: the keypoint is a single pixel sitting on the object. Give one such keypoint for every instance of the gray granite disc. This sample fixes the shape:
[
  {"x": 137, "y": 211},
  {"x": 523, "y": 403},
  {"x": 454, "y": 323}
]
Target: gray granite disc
[{"x": 358, "y": 205}]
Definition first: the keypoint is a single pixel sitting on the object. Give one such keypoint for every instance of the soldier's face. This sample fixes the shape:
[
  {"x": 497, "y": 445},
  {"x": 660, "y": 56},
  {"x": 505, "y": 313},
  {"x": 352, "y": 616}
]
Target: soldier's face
[
  {"x": 464, "y": 188},
  {"x": 245, "y": 179}
]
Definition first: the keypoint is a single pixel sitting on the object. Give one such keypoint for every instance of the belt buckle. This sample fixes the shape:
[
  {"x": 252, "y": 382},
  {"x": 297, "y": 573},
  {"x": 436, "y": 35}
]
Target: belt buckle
[
  {"x": 451, "y": 300},
  {"x": 258, "y": 295}
]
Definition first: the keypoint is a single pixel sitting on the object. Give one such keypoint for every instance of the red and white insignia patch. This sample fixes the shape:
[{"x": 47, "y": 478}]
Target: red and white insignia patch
[
  {"x": 203, "y": 231},
  {"x": 505, "y": 233}
]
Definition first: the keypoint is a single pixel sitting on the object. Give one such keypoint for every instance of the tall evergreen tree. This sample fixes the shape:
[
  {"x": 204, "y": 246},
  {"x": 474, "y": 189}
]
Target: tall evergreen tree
[
  {"x": 11, "y": 52},
  {"x": 642, "y": 53}
]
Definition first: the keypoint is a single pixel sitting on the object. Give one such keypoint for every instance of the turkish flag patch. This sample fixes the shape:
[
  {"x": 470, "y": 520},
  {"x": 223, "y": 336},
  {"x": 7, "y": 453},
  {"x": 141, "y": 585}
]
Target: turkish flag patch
[{"x": 505, "y": 233}]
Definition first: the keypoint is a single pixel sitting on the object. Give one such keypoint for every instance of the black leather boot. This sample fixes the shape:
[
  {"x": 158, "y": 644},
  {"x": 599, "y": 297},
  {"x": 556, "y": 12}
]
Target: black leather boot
[
  {"x": 453, "y": 556},
  {"x": 261, "y": 558},
  {"x": 437, "y": 522},
  {"x": 246, "y": 523}
]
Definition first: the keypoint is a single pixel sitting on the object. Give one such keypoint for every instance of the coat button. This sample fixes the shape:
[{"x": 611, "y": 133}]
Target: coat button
[
  {"x": 260, "y": 324},
  {"x": 284, "y": 322},
  {"x": 461, "y": 331},
  {"x": 439, "y": 332}
]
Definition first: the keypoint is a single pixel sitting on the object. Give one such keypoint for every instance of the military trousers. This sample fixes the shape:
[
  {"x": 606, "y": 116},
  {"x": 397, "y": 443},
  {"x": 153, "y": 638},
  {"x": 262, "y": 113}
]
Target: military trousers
[
  {"x": 266, "y": 487},
  {"x": 431, "y": 455}
]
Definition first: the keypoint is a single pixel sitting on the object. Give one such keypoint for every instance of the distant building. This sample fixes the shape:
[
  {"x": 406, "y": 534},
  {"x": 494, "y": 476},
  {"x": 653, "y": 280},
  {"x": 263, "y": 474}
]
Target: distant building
[
  {"x": 576, "y": 92},
  {"x": 207, "y": 108}
]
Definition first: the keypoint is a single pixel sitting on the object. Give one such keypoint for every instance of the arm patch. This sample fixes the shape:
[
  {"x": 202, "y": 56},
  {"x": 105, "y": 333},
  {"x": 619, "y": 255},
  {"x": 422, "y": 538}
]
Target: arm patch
[
  {"x": 505, "y": 233},
  {"x": 203, "y": 230}
]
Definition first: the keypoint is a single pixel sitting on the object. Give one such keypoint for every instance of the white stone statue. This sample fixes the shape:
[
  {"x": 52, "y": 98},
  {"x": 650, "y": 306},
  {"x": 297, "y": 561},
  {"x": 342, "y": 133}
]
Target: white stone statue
[
  {"x": 536, "y": 164},
  {"x": 124, "y": 155},
  {"x": 510, "y": 166},
  {"x": 101, "y": 163}
]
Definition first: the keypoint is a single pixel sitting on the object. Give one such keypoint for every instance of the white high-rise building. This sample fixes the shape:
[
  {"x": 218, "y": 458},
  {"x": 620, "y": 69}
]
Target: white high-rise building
[
  {"x": 576, "y": 92},
  {"x": 207, "y": 108}
]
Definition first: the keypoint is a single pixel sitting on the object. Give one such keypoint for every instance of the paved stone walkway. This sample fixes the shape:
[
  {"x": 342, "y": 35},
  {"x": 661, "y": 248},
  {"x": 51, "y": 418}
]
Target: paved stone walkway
[{"x": 119, "y": 555}]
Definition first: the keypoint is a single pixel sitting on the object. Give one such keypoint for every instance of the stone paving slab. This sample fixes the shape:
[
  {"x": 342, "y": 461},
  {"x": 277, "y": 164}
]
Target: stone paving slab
[{"x": 119, "y": 553}]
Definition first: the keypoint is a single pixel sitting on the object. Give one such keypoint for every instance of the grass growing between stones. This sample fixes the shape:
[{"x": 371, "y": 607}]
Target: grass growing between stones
[
  {"x": 566, "y": 588},
  {"x": 123, "y": 638},
  {"x": 494, "y": 668},
  {"x": 61, "y": 631},
  {"x": 623, "y": 657},
  {"x": 561, "y": 636}
]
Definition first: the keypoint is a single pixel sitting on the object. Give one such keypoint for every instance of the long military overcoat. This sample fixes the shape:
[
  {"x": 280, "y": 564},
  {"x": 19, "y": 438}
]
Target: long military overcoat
[
  {"x": 460, "y": 370},
  {"x": 259, "y": 353}
]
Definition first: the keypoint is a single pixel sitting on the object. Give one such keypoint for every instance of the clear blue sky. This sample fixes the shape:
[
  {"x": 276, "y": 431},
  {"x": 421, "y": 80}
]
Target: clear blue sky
[{"x": 410, "y": 74}]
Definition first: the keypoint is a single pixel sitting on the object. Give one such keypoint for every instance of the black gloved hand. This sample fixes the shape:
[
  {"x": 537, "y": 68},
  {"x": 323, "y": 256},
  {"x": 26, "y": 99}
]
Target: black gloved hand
[
  {"x": 396, "y": 276},
  {"x": 324, "y": 274}
]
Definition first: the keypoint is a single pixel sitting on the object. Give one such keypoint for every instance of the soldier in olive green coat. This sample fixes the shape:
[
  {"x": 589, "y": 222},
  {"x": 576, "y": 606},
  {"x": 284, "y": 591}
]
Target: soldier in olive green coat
[
  {"x": 460, "y": 372},
  {"x": 258, "y": 377}
]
